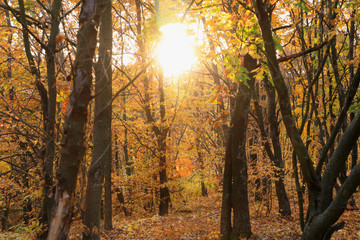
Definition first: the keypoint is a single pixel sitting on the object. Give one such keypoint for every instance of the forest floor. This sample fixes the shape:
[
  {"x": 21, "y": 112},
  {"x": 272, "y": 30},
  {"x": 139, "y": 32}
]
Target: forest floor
[{"x": 200, "y": 218}]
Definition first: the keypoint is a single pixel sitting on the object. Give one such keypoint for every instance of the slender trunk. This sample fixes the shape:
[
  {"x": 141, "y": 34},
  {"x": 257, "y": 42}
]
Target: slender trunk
[
  {"x": 48, "y": 102},
  {"x": 106, "y": 22},
  {"x": 354, "y": 154},
  {"x": 51, "y": 114},
  {"x": 204, "y": 192},
  {"x": 299, "y": 191},
  {"x": 7, "y": 196},
  {"x": 101, "y": 158},
  {"x": 164, "y": 190},
  {"x": 284, "y": 204},
  {"x": 108, "y": 195},
  {"x": 128, "y": 168}
]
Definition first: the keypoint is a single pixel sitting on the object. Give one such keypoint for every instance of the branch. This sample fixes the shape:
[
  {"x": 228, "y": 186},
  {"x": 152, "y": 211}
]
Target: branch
[
  {"x": 72, "y": 9},
  {"x": 186, "y": 11},
  {"x": 125, "y": 87},
  {"x": 349, "y": 97},
  {"x": 21, "y": 119},
  {"x": 24, "y": 26},
  {"x": 33, "y": 20},
  {"x": 281, "y": 27},
  {"x": 309, "y": 50}
]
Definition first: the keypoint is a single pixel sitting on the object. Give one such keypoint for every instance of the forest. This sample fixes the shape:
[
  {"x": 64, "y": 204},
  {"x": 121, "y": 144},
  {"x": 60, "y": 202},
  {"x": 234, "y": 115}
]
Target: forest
[{"x": 181, "y": 119}]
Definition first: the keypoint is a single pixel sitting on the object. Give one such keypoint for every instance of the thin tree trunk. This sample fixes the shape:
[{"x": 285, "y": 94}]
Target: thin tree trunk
[
  {"x": 101, "y": 158},
  {"x": 284, "y": 204},
  {"x": 108, "y": 195},
  {"x": 7, "y": 197},
  {"x": 204, "y": 192},
  {"x": 299, "y": 191},
  {"x": 51, "y": 114},
  {"x": 164, "y": 190},
  {"x": 354, "y": 154}
]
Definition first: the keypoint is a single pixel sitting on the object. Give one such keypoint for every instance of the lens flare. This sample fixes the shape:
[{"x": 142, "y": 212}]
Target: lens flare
[{"x": 175, "y": 51}]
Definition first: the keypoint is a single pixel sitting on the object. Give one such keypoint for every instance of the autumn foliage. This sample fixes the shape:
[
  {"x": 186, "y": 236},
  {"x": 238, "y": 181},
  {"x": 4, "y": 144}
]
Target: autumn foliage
[{"x": 171, "y": 134}]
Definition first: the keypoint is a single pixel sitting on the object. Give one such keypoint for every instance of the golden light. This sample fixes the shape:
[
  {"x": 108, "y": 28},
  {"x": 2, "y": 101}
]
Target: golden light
[{"x": 175, "y": 51}]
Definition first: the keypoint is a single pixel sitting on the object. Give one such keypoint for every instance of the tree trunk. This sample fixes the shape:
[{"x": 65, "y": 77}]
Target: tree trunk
[
  {"x": 108, "y": 195},
  {"x": 51, "y": 114},
  {"x": 101, "y": 158},
  {"x": 204, "y": 192},
  {"x": 284, "y": 204},
  {"x": 164, "y": 190},
  {"x": 235, "y": 192},
  {"x": 73, "y": 149}
]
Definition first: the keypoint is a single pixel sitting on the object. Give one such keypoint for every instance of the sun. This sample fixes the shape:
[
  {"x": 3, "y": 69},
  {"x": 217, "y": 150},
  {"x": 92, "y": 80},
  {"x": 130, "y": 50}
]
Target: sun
[{"x": 176, "y": 52}]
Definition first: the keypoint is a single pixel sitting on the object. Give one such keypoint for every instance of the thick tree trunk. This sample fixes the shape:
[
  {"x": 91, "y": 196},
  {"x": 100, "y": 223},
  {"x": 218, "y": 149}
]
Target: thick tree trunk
[
  {"x": 235, "y": 192},
  {"x": 102, "y": 130},
  {"x": 72, "y": 143}
]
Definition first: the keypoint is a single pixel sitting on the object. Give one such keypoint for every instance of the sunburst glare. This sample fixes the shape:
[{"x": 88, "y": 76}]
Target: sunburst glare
[{"x": 176, "y": 50}]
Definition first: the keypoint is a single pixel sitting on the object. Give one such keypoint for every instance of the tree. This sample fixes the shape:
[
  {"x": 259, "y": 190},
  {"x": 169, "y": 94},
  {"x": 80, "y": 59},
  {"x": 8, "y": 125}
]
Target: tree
[
  {"x": 73, "y": 149},
  {"x": 275, "y": 154},
  {"x": 235, "y": 193},
  {"x": 48, "y": 97},
  {"x": 101, "y": 155},
  {"x": 51, "y": 114},
  {"x": 323, "y": 210}
]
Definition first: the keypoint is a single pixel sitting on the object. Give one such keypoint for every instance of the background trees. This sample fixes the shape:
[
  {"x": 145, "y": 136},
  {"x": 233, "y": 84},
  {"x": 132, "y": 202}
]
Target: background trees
[{"x": 275, "y": 89}]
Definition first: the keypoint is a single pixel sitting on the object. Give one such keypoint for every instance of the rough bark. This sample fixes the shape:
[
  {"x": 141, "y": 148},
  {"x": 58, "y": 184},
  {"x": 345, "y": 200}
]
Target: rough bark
[
  {"x": 73, "y": 149},
  {"x": 102, "y": 128},
  {"x": 235, "y": 192}
]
